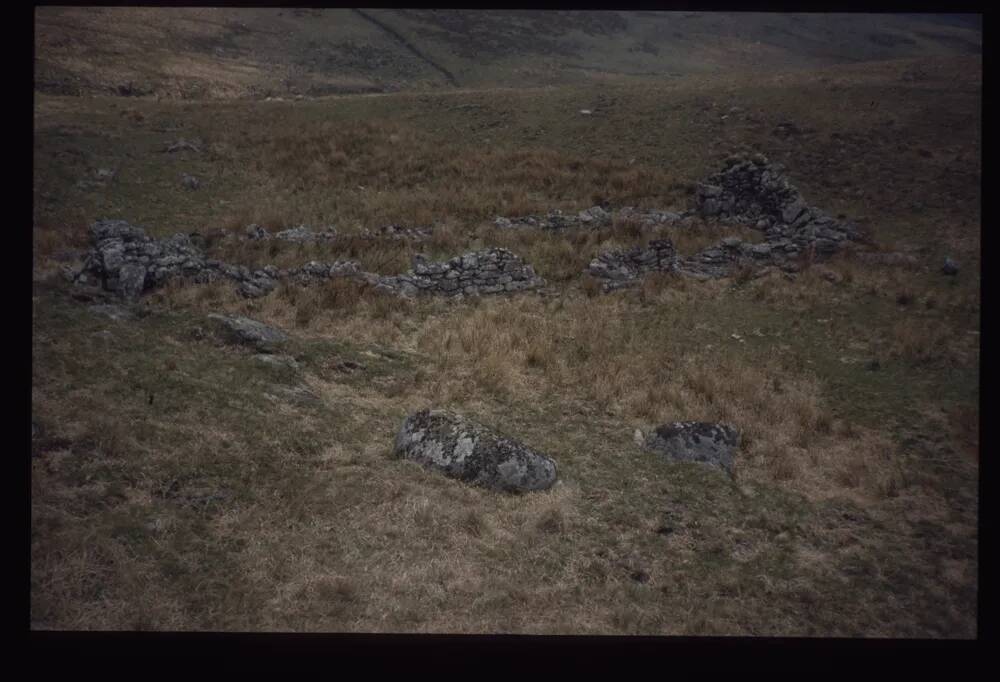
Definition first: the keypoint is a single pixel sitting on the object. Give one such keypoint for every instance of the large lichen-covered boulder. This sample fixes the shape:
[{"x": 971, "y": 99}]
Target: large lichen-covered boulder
[
  {"x": 246, "y": 332},
  {"x": 470, "y": 452},
  {"x": 705, "y": 442}
]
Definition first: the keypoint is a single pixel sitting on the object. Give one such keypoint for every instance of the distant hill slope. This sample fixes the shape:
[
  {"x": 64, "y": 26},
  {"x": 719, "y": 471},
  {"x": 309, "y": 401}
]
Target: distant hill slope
[{"x": 239, "y": 52}]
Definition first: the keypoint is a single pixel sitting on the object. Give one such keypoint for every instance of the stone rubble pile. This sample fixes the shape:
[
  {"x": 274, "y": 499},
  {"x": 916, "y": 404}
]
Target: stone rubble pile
[{"x": 127, "y": 261}]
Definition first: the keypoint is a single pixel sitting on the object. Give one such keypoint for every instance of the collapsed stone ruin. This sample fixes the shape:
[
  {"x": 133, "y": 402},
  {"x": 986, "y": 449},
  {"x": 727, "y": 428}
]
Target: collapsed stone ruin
[
  {"x": 125, "y": 260},
  {"x": 754, "y": 192},
  {"x": 748, "y": 192}
]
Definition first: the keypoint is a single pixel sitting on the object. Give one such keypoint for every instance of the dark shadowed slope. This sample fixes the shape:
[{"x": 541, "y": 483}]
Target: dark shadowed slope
[{"x": 236, "y": 52}]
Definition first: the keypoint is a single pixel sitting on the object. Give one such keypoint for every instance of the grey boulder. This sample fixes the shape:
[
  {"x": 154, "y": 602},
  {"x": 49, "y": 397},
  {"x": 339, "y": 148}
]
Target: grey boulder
[
  {"x": 705, "y": 442},
  {"x": 246, "y": 332},
  {"x": 950, "y": 267},
  {"x": 131, "y": 281},
  {"x": 459, "y": 448}
]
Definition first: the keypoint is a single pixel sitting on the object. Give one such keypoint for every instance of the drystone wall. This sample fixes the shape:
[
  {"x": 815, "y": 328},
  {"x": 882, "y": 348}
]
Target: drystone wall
[{"x": 489, "y": 271}]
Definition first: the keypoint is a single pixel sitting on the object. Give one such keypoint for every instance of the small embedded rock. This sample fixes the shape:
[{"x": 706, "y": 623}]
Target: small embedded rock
[
  {"x": 705, "y": 442},
  {"x": 247, "y": 332}
]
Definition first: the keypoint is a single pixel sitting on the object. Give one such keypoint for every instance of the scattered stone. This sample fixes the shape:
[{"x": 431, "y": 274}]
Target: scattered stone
[
  {"x": 398, "y": 232},
  {"x": 303, "y": 234},
  {"x": 712, "y": 444},
  {"x": 831, "y": 276},
  {"x": 115, "y": 312},
  {"x": 472, "y": 453},
  {"x": 183, "y": 145},
  {"x": 950, "y": 267},
  {"x": 190, "y": 182},
  {"x": 349, "y": 366},
  {"x": 596, "y": 216},
  {"x": 256, "y": 232},
  {"x": 246, "y": 332},
  {"x": 272, "y": 360},
  {"x": 105, "y": 174},
  {"x": 298, "y": 395}
]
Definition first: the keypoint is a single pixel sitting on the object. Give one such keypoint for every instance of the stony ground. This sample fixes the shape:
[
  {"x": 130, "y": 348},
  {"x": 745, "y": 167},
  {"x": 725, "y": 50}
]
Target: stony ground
[{"x": 184, "y": 481}]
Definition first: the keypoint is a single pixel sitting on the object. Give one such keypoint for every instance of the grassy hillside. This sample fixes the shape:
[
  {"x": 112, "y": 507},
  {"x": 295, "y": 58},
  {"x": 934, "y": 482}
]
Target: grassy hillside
[
  {"x": 178, "y": 483},
  {"x": 197, "y": 53}
]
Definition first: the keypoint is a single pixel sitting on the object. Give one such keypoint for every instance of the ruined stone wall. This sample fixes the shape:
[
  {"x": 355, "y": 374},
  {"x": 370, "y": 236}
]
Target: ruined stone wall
[
  {"x": 125, "y": 260},
  {"x": 489, "y": 271},
  {"x": 754, "y": 192},
  {"x": 623, "y": 267}
]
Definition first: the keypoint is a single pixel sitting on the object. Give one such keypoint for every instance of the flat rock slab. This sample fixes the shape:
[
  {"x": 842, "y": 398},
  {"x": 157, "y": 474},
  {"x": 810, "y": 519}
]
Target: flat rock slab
[
  {"x": 472, "y": 453},
  {"x": 705, "y": 442},
  {"x": 246, "y": 332}
]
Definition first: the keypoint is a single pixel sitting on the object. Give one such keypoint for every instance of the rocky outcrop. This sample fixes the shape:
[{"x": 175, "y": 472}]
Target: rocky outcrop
[
  {"x": 246, "y": 332},
  {"x": 708, "y": 443},
  {"x": 459, "y": 448}
]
